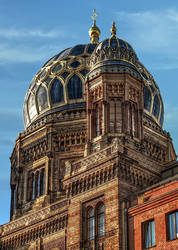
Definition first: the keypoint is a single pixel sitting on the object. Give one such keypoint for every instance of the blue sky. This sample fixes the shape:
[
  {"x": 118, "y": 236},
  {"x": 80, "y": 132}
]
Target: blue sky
[{"x": 33, "y": 31}]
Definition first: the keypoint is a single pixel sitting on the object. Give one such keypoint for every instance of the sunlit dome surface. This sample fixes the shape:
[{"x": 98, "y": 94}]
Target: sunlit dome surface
[{"x": 59, "y": 85}]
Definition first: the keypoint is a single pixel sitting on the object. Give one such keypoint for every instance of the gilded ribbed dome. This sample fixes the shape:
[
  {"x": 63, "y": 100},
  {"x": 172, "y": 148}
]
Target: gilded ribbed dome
[
  {"x": 120, "y": 57},
  {"x": 59, "y": 85}
]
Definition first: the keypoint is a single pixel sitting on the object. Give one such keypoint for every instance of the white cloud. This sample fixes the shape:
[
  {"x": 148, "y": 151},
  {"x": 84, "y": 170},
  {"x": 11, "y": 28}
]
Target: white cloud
[
  {"x": 154, "y": 32},
  {"x": 26, "y": 53},
  {"x": 11, "y": 33}
]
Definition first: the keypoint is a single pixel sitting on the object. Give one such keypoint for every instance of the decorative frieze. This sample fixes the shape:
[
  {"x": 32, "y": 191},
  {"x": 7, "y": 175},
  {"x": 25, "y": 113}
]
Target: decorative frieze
[
  {"x": 32, "y": 218},
  {"x": 98, "y": 177},
  {"x": 34, "y": 151},
  {"x": 24, "y": 237}
]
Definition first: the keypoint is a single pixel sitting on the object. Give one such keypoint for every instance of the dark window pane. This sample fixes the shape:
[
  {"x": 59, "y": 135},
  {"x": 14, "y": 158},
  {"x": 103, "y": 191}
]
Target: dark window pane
[
  {"x": 56, "y": 68},
  {"x": 113, "y": 43},
  {"x": 42, "y": 98},
  {"x": 91, "y": 48},
  {"x": 144, "y": 75},
  {"x": 38, "y": 184},
  {"x": 97, "y": 120},
  {"x": 56, "y": 92},
  {"x": 147, "y": 98},
  {"x": 84, "y": 72},
  {"x": 122, "y": 43},
  {"x": 75, "y": 64},
  {"x": 33, "y": 187},
  {"x": 43, "y": 74},
  {"x": 77, "y": 50},
  {"x": 85, "y": 56},
  {"x": 48, "y": 79},
  {"x": 42, "y": 182},
  {"x": 152, "y": 88},
  {"x": 91, "y": 224},
  {"x": 156, "y": 107},
  {"x": 101, "y": 220},
  {"x": 74, "y": 87},
  {"x": 162, "y": 116},
  {"x": 65, "y": 75}
]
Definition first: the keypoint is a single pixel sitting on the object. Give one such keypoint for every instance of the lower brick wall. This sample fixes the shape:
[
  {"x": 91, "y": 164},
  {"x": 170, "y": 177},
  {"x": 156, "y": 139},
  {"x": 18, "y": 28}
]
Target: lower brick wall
[{"x": 157, "y": 210}]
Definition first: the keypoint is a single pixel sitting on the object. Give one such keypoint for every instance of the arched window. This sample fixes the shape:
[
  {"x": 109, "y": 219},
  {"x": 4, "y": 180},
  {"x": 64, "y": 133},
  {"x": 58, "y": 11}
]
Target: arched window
[
  {"x": 38, "y": 184},
  {"x": 156, "y": 106},
  {"x": 97, "y": 121},
  {"x": 162, "y": 116},
  {"x": 56, "y": 92},
  {"x": 74, "y": 88},
  {"x": 31, "y": 106},
  {"x": 147, "y": 98},
  {"x": 42, "y": 98},
  {"x": 91, "y": 224},
  {"x": 100, "y": 220},
  {"x": 113, "y": 43},
  {"x": 42, "y": 182},
  {"x": 33, "y": 186}
]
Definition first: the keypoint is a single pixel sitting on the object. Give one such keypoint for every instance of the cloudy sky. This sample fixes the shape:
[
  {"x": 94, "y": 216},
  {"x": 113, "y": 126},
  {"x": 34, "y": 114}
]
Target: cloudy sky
[{"x": 33, "y": 31}]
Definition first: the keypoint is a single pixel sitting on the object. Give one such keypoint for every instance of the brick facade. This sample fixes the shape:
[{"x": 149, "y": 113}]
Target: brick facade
[
  {"x": 94, "y": 163},
  {"x": 156, "y": 204}
]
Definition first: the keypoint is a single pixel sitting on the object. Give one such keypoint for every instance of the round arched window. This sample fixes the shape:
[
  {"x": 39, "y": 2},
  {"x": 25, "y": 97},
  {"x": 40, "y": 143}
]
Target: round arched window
[
  {"x": 100, "y": 220},
  {"x": 91, "y": 223},
  {"x": 156, "y": 106},
  {"x": 147, "y": 98},
  {"x": 74, "y": 87},
  {"x": 42, "y": 98},
  {"x": 56, "y": 92},
  {"x": 32, "y": 107}
]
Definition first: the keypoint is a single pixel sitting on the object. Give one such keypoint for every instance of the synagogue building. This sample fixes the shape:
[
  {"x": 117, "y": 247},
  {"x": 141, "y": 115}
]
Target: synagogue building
[{"x": 93, "y": 169}]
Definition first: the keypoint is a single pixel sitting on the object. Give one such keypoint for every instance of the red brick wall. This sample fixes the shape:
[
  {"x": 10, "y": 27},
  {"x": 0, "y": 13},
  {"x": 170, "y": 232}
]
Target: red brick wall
[{"x": 162, "y": 201}]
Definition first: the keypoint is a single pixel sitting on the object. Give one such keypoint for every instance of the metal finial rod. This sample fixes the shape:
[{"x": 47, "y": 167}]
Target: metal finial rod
[{"x": 113, "y": 29}]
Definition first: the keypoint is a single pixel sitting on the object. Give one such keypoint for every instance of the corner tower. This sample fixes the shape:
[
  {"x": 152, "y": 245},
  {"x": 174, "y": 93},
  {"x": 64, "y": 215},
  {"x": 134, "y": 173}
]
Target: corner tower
[{"x": 114, "y": 91}]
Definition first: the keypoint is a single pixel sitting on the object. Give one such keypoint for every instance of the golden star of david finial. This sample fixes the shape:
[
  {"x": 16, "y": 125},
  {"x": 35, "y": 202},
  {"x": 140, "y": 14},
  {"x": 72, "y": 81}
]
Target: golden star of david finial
[
  {"x": 94, "y": 31},
  {"x": 94, "y": 16}
]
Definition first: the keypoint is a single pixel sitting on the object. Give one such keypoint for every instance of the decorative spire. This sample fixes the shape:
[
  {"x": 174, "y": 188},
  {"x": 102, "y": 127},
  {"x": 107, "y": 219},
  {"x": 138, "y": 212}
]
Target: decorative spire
[
  {"x": 113, "y": 29},
  {"x": 94, "y": 32}
]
